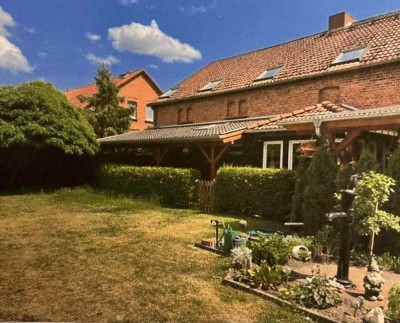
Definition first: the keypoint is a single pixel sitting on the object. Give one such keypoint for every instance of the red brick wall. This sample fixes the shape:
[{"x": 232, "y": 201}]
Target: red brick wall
[
  {"x": 366, "y": 88},
  {"x": 139, "y": 90}
]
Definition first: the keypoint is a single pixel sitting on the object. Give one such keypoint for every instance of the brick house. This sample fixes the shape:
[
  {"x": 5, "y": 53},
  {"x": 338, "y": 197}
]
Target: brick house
[
  {"x": 257, "y": 108},
  {"x": 138, "y": 90}
]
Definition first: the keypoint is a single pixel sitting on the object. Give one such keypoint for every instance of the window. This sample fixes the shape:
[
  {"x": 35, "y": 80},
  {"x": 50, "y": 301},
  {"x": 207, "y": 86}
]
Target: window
[
  {"x": 242, "y": 108},
  {"x": 210, "y": 85},
  {"x": 185, "y": 115},
  {"x": 269, "y": 74},
  {"x": 167, "y": 94},
  {"x": 352, "y": 55},
  {"x": 132, "y": 106},
  {"x": 231, "y": 110},
  {"x": 273, "y": 154},
  {"x": 181, "y": 117},
  {"x": 189, "y": 115},
  {"x": 149, "y": 114}
]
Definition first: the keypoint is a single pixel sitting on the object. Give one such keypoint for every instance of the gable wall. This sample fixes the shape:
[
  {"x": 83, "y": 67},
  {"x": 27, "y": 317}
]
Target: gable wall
[
  {"x": 365, "y": 88},
  {"x": 142, "y": 92}
]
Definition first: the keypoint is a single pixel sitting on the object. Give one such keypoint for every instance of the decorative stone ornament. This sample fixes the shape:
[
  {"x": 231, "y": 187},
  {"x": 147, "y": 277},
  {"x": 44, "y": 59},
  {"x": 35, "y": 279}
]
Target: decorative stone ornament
[
  {"x": 373, "y": 281},
  {"x": 375, "y": 315}
]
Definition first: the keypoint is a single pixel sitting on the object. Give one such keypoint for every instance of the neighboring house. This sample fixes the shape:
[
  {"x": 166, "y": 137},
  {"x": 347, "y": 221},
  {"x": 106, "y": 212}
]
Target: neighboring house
[
  {"x": 137, "y": 88},
  {"x": 342, "y": 85}
]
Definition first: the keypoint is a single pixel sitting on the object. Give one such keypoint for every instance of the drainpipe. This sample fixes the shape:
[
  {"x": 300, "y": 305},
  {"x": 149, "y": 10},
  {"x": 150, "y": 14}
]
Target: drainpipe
[{"x": 317, "y": 126}]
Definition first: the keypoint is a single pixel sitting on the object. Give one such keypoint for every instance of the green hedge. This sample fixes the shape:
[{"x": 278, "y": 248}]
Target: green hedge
[
  {"x": 173, "y": 187},
  {"x": 266, "y": 192}
]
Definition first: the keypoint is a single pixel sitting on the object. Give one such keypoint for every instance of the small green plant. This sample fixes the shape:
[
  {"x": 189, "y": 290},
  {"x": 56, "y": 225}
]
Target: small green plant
[
  {"x": 241, "y": 257},
  {"x": 267, "y": 277},
  {"x": 317, "y": 292},
  {"x": 394, "y": 302},
  {"x": 325, "y": 244},
  {"x": 389, "y": 262},
  {"x": 274, "y": 250}
]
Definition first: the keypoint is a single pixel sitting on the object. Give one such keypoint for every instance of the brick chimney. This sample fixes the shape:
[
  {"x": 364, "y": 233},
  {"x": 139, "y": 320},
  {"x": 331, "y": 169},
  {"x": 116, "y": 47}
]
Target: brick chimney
[{"x": 340, "y": 20}]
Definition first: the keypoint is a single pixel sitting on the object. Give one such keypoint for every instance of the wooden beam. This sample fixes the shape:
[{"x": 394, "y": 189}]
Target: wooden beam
[
  {"x": 347, "y": 140},
  {"x": 159, "y": 154},
  {"x": 213, "y": 158}
]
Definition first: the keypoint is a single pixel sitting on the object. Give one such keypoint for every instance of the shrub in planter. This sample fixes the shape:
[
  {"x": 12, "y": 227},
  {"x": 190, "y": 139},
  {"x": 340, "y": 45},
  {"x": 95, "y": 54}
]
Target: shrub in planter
[
  {"x": 267, "y": 277},
  {"x": 317, "y": 292},
  {"x": 173, "y": 187},
  {"x": 244, "y": 188},
  {"x": 274, "y": 250}
]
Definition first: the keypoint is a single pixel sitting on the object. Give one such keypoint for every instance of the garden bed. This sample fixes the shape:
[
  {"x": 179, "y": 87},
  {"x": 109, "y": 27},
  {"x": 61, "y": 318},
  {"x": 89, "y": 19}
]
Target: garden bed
[{"x": 342, "y": 313}]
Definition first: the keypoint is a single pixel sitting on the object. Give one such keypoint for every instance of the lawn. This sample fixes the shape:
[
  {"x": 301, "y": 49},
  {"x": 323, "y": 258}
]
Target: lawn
[{"x": 80, "y": 255}]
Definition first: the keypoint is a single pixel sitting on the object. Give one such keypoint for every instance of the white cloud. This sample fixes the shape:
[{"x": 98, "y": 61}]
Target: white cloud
[
  {"x": 93, "y": 37},
  {"x": 109, "y": 60},
  {"x": 202, "y": 9},
  {"x": 42, "y": 54},
  {"x": 11, "y": 57},
  {"x": 153, "y": 66},
  {"x": 5, "y": 20},
  {"x": 128, "y": 2},
  {"x": 30, "y": 30},
  {"x": 150, "y": 40}
]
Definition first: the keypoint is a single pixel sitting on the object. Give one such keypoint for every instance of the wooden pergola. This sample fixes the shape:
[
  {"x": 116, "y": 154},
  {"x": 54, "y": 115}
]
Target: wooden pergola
[{"x": 352, "y": 125}]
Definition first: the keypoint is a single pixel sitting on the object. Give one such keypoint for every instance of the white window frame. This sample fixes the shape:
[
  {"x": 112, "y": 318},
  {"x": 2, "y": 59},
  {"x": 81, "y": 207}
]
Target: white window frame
[
  {"x": 265, "y": 152},
  {"x": 290, "y": 152},
  {"x": 132, "y": 104},
  {"x": 148, "y": 108}
]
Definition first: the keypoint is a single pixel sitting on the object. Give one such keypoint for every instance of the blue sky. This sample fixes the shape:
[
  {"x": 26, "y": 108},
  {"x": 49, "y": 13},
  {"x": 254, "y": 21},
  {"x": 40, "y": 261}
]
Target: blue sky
[{"x": 63, "y": 41}]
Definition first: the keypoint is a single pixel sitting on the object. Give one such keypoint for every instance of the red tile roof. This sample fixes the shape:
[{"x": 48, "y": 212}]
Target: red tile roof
[
  {"x": 219, "y": 130},
  {"x": 303, "y": 57},
  {"x": 91, "y": 89}
]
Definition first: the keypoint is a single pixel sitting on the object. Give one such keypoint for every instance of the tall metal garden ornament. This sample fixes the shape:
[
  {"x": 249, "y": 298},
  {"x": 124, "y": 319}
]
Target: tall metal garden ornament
[{"x": 346, "y": 220}]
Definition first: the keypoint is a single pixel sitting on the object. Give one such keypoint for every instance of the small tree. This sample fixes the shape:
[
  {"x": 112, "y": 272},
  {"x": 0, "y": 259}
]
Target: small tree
[
  {"x": 372, "y": 191},
  {"x": 319, "y": 193},
  {"x": 103, "y": 111}
]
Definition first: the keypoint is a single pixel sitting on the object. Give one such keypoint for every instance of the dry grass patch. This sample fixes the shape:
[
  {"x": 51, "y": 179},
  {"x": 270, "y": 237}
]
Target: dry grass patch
[{"x": 79, "y": 255}]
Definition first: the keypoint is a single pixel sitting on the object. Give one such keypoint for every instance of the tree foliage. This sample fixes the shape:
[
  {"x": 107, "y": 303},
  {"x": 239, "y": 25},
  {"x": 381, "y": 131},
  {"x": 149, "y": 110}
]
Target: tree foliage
[
  {"x": 104, "y": 112},
  {"x": 394, "y": 172},
  {"x": 373, "y": 190},
  {"x": 319, "y": 192},
  {"x": 296, "y": 214},
  {"x": 35, "y": 117}
]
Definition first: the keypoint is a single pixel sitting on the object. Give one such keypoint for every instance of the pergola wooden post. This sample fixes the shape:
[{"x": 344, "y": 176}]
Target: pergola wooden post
[
  {"x": 159, "y": 154},
  {"x": 213, "y": 158}
]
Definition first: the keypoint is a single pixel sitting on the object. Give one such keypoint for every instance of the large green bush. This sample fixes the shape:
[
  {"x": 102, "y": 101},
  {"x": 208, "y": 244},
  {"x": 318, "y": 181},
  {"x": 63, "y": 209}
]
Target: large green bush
[
  {"x": 266, "y": 192},
  {"x": 319, "y": 193},
  {"x": 173, "y": 187}
]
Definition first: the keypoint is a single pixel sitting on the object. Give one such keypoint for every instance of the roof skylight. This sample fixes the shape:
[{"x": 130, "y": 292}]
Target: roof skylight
[
  {"x": 352, "y": 55},
  {"x": 269, "y": 73},
  {"x": 167, "y": 94},
  {"x": 210, "y": 85}
]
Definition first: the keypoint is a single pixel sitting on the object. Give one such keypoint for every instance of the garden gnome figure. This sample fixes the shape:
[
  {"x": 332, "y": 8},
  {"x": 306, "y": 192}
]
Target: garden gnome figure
[{"x": 373, "y": 281}]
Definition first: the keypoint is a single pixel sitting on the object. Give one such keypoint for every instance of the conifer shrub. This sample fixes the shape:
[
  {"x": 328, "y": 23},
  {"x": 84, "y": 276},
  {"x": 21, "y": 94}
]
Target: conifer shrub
[
  {"x": 394, "y": 172},
  {"x": 367, "y": 162},
  {"x": 319, "y": 192},
  {"x": 301, "y": 182},
  {"x": 173, "y": 187},
  {"x": 265, "y": 192}
]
